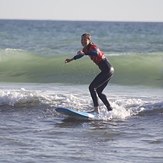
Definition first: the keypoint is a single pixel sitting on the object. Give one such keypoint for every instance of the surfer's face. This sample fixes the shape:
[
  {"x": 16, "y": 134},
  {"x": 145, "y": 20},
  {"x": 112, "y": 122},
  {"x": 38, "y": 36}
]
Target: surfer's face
[{"x": 85, "y": 41}]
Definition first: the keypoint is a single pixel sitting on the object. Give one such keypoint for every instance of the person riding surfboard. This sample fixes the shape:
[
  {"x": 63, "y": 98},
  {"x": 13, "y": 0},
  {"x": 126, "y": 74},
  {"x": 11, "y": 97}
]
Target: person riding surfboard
[{"x": 101, "y": 80}]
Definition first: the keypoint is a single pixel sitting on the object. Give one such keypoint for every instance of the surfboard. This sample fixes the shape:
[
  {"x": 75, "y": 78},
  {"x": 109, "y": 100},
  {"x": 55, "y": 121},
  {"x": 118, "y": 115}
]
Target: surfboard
[{"x": 76, "y": 114}]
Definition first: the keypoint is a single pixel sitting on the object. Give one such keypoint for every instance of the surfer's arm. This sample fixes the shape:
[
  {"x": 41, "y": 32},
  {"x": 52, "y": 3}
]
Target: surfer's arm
[
  {"x": 92, "y": 53},
  {"x": 78, "y": 56},
  {"x": 69, "y": 60}
]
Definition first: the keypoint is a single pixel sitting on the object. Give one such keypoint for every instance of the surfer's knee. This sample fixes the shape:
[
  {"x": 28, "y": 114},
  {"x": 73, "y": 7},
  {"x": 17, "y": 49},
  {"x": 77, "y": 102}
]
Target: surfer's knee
[
  {"x": 91, "y": 88},
  {"x": 101, "y": 95}
]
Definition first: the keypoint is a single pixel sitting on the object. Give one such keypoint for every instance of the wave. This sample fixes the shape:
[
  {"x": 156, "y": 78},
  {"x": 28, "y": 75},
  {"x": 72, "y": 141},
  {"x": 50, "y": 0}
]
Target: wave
[
  {"x": 44, "y": 102},
  {"x": 21, "y": 66}
]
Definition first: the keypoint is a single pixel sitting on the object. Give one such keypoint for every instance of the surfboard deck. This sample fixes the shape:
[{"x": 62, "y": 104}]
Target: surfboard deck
[{"x": 76, "y": 114}]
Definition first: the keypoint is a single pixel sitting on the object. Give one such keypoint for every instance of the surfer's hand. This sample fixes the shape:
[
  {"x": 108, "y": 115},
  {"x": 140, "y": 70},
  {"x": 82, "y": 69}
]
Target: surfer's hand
[
  {"x": 68, "y": 60},
  {"x": 80, "y": 52}
]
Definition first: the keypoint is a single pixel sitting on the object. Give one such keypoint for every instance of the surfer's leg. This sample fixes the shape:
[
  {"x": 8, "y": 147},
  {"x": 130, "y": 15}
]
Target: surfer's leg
[
  {"x": 92, "y": 89},
  {"x": 103, "y": 97},
  {"x": 102, "y": 81},
  {"x": 93, "y": 93},
  {"x": 97, "y": 86}
]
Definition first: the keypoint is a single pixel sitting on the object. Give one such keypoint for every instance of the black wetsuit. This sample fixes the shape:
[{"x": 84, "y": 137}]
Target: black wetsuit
[{"x": 100, "y": 82}]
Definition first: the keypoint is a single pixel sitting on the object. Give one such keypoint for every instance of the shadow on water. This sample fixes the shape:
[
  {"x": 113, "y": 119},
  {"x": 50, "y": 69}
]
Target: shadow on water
[{"x": 85, "y": 123}]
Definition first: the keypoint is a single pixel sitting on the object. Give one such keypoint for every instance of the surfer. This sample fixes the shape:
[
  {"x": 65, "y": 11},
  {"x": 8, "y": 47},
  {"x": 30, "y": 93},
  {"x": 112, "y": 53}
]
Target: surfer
[{"x": 101, "y": 80}]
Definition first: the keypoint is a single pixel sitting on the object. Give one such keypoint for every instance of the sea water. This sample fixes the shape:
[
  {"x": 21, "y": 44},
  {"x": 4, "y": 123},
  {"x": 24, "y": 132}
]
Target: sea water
[{"x": 34, "y": 80}]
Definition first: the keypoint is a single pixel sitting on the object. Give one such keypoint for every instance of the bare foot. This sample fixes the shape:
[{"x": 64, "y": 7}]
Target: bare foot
[{"x": 96, "y": 110}]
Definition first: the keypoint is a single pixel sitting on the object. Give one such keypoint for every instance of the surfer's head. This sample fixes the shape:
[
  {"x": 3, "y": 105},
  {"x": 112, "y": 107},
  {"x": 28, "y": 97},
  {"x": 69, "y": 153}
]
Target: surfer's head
[{"x": 86, "y": 39}]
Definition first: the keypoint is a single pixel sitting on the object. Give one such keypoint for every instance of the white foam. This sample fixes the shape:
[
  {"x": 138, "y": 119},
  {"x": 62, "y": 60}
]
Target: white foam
[{"x": 123, "y": 106}]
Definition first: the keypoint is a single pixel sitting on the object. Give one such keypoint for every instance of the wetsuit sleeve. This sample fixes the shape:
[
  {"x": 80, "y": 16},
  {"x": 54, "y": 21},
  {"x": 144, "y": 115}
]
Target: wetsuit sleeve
[
  {"x": 78, "y": 56},
  {"x": 92, "y": 53}
]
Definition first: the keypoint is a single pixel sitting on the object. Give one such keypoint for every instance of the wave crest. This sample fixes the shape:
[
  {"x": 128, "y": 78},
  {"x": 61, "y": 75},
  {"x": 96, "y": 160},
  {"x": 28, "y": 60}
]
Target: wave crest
[{"x": 130, "y": 69}]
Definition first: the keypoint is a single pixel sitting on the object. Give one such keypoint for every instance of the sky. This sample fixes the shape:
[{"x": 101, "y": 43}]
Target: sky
[{"x": 89, "y": 10}]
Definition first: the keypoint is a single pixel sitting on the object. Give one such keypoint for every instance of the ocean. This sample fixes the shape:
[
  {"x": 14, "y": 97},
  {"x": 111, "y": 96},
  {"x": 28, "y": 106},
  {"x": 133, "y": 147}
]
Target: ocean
[{"x": 34, "y": 80}]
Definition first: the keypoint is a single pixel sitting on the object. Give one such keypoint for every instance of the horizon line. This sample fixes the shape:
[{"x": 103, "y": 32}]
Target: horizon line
[{"x": 27, "y": 19}]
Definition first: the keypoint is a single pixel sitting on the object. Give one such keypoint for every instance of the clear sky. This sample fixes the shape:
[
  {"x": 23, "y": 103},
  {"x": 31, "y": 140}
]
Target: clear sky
[{"x": 100, "y": 10}]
